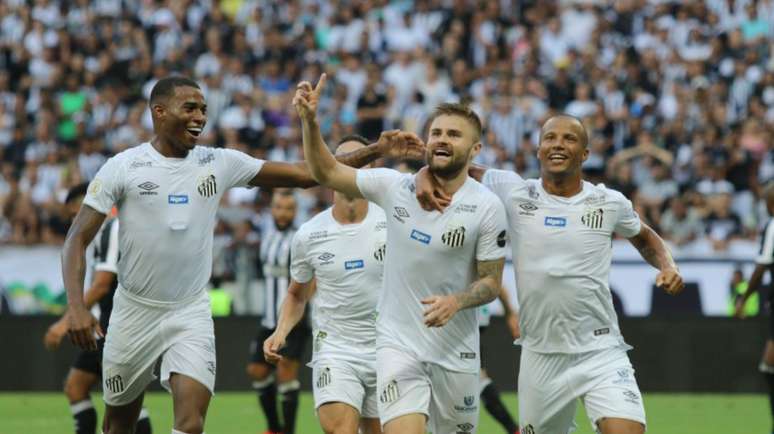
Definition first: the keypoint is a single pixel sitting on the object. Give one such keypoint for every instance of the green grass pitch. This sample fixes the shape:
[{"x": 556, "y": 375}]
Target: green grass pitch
[{"x": 238, "y": 413}]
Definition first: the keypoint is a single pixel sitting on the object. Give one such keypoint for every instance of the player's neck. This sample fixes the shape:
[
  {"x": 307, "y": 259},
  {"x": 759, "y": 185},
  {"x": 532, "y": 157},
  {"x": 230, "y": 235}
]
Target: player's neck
[
  {"x": 452, "y": 184},
  {"x": 564, "y": 186},
  {"x": 166, "y": 149},
  {"x": 347, "y": 213}
]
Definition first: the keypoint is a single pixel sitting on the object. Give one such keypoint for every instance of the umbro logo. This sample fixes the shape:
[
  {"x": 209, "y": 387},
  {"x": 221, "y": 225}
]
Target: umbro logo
[
  {"x": 148, "y": 188},
  {"x": 400, "y": 214},
  {"x": 465, "y": 427},
  {"x": 325, "y": 258}
]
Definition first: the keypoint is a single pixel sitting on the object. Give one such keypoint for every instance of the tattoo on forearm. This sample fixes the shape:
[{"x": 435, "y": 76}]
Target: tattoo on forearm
[
  {"x": 487, "y": 288},
  {"x": 653, "y": 250},
  {"x": 359, "y": 157}
]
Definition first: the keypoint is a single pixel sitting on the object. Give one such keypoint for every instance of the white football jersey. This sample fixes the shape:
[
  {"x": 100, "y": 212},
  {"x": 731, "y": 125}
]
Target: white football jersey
[
  {"x": 167, "y": 211},
  {"x": 562, "y": 249},
  {"x": 432, "y": 253},
  {"x": 347, "y": 261}
]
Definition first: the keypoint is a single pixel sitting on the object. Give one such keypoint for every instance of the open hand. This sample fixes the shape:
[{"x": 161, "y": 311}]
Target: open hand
[
  {"x": 271, "y": 347},
  {"x": 441, "y": 309},
  {"x": 401, "y": 145},
  {"x": 670, "y": 281},
  {"x": 307, "y": 98}
]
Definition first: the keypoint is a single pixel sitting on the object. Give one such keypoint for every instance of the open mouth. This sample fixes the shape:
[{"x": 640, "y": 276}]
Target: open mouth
[
  {"x": 194, "y": 131},
  {"x": 557, "y": 158},
  {"x": 441, "y": 153}
]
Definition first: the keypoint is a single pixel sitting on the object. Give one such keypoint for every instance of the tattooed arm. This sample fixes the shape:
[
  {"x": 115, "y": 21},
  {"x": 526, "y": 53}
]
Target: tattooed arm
[
  {"x": 655, "y": 252},
  {"x": 443, "y": 307}
]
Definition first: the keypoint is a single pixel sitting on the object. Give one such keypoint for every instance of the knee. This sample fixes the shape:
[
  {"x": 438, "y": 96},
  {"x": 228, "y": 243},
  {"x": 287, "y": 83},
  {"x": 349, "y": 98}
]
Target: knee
[
  {"x": 75, "y": 391},
  {"x": 258, "y": 371},
  {"x": 189, "y": 424}
]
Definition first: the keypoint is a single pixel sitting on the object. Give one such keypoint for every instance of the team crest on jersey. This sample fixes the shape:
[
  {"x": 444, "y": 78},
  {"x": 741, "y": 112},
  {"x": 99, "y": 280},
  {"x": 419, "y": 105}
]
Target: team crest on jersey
[
  {"x": 207, "y": 186},
  {"x": 324, "y": 378},
  {"x": 528, "y": 429},
  {"x": 381, "y": 250},
  {"x": 390, "y": 393},
  {"x": 454, "y": 237},
  {"x": 593, "y": 218}
]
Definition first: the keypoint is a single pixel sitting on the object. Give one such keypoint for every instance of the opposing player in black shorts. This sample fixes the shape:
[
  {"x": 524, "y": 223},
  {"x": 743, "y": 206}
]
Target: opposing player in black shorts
[
  {"x": 490, "y": 395},
  {"x": 275, "y": 260},
  {"x": 86, "y": 369},
  {"x": 764, "y": 262}
]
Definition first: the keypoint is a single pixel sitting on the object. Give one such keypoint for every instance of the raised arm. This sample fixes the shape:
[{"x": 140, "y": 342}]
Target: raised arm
[
  {"x": 653, "y": 249},
  {"x": 443, "y": 307},
  {"x": 82, "y": 324},
  {"x": 291, "y": 312}
]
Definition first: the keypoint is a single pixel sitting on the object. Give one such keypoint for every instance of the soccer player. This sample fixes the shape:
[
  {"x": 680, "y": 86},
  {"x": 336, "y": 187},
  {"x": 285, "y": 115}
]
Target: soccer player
[
  {"x": 87, "y": 366},
  {"x": 560, "y": 230},
  {"x": 340, "y": 252},
  {"x": 437, "y": 267},
  {"x": 275, "y": 257},
  {"x": 167, "y": 193},
  {"x": 763, "y": 263}
]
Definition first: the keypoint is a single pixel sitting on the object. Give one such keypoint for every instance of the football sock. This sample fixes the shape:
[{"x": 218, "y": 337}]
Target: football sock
[
  {"x": 289, "y": 398},
  {"x": 267, "y": 396},
  {"x": 143, "y": 423},
  {"x": 494, "y": 405},
  {"x": 84, "y": 416}
]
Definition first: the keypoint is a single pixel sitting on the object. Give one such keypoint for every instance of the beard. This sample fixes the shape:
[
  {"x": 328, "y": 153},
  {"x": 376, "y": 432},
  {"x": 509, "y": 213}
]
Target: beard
[{"x": 448, "y": 170}]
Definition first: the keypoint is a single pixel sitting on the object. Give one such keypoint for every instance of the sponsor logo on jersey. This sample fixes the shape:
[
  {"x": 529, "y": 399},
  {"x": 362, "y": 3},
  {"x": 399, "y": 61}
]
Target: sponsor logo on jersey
[
  {"x": 400, "y": 214},
  {"x": 380, "y": 226},
  {"x": 147, "y": 188},
  {"x": 600, "y": 332},
  {"x": 454, "y": 237},
  {"x": 325, "y": 258},
  {"x": 319, "y": 235},
  {"x": 95, "y": 187},
  {"x": 420, "y": 236},
  {"x": 631, "y": 397},
  {"x": 318, "y": 341},
  {"x": 390, "y": 392},
  {"x": 114, "y": 384},
  {"x": 177, "y": 199},
  {"x": 211, "y": 367},
  {"x": 532, "y": 192},
  {"x": 502, "y": 237},
  {"x": 557, "y": 222},
  {"x": 528, "y": 429},
  {"x": 467, "y": 356},
  {"x": 465, "y": 428},
  {"x": 527, "y": 208},
  {"x": 139, "y": 164},
  {"x": 381, "y": 250},
  {"x": 597, "y": 199},
  {"x": 465, "y": 208},
  {"x": 209, "y": 157},
  {"x": 623, "y": 377},
  {"x": 409, "y": 185},
  {"x": 593, "y": 218},
  {"x": 354, "y": 264},
  {"x": 324, "y": 378},
  {"x": 207, "y": 186},
  {"x": 468, "y": 406}
]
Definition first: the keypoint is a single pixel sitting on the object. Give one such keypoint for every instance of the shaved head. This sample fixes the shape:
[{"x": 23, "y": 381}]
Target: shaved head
[{"x": 584, "y": 135}]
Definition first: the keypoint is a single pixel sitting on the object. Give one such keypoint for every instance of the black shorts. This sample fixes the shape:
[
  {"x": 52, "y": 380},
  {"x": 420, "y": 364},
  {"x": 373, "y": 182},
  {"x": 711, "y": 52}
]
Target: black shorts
[
  {"x": 294, "y": 344},
  {"x": 481, "y": 330},
  {"x": 90, "y": 361}
]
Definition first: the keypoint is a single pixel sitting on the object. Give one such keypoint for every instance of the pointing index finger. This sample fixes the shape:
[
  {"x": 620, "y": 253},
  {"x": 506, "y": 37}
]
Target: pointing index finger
[{"x": 320, "y": 83}]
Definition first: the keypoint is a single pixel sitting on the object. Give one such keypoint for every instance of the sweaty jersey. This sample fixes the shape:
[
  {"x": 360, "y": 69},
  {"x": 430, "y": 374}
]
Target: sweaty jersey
[
  {"x": 275, "y": 259},
  {"x": 106, "y": 255},
  {"x": 167, "y": 211},
  {"x": 432, "y": 253},
  {"x": 562, "y": 249},
  {"x": 347, "y": 262}
]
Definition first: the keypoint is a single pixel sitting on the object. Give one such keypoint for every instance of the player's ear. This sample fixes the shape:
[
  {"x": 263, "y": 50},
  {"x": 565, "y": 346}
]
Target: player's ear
[
  {"x": 158, "y": 110},
  {"x": 476, "y": 150}
]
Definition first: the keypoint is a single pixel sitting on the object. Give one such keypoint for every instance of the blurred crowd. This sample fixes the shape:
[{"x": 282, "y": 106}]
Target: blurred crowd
[{"x": 678, "y": 96}]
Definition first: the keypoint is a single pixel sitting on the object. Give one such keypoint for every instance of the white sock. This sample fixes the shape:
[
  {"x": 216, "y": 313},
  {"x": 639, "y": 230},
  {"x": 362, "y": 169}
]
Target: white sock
[{"x": 80, "y": 406}]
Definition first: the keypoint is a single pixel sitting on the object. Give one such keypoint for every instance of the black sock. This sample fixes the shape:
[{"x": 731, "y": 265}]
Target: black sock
[
  {"x": 289, "y": 397},
  {"x": 494, "y": 405},
  {"x": 84, "y": 416},
  {"x": 143, "y": 423},
  {"x": 267, "y": 397},
  {"x": 770, "y": 380}
]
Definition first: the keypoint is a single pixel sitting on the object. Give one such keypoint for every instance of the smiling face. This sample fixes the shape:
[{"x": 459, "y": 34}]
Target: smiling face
[
  {"x": 452, "y": 142},
  {"x": 180, "y": 118},
  {"x": 562, "y": 148}
]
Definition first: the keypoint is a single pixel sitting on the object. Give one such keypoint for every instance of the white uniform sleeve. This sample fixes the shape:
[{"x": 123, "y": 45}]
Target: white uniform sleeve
[
  {"x": 766, "y": 254},
  {"x": 240, "y": 167},
  {"x": 108, "y": 254},
  {"x": 493, "y": 234},
  {"x": 628, "y": 224},
  {"x": 300, "y": 269},
  {"x": 375, "y": 184},
  {"x": 107, "y": 187},
  {"x": 501, "y": 182}
]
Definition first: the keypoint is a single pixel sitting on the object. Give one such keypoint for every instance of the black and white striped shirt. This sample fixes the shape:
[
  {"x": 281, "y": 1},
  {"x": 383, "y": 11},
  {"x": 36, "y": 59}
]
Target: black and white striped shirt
[
  {"x": 766, "y": 249},
  {"x": 106, "y": 256},
  {"x": 275, "y": 257}
]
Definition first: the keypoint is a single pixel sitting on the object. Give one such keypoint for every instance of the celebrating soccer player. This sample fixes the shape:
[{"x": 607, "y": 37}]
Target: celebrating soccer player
[
  {"x": 437, "y": 267},
  {"x": 560, "y": 230}
]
